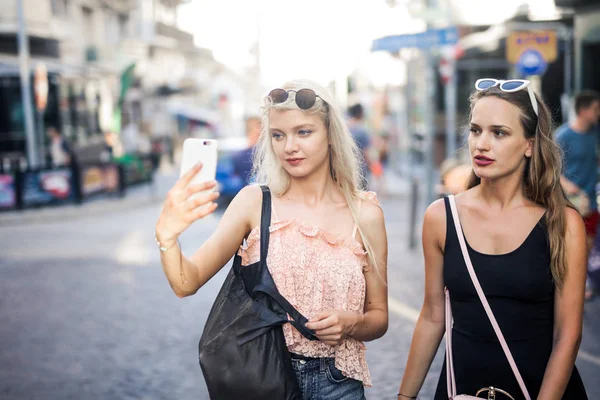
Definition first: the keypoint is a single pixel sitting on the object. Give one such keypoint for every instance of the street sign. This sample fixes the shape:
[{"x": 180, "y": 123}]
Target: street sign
[
  {"x": 544, "y": 42},
  {"x": 531, "y": 62},
  {"x": 423, "y": 40}
]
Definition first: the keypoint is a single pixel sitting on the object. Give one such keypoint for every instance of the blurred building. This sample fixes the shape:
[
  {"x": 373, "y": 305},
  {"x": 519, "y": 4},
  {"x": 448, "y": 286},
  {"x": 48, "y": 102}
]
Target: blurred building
[
  {"x": 102, "y": 56},
  {"x": 487, "y": 30},
  {"x": 483, "y": 50},
  {"x": 586, "y": 41}
]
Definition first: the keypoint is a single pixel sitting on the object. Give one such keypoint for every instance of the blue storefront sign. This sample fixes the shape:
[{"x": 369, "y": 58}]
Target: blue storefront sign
[{"x": 423, "y": 40}]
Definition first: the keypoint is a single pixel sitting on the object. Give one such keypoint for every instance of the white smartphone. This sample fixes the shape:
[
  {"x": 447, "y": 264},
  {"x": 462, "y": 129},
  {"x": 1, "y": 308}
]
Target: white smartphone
[{"x": 200, "y": 150}]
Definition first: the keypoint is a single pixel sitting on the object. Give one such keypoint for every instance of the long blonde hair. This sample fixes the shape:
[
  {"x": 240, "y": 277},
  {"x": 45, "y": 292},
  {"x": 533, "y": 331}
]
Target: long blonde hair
[
  {"x": 541, "y": 182},
  {"x": 344, "y": 156}
]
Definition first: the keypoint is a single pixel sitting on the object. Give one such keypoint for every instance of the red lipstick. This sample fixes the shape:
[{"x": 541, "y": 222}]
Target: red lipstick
[{"x": 483, "y": 161}]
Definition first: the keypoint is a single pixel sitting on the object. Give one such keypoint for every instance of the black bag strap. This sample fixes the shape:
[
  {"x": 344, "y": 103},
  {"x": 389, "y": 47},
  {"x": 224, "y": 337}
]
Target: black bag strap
[
  {"x": 265, "y": 224},
  {"x": 298, "y": 320}
]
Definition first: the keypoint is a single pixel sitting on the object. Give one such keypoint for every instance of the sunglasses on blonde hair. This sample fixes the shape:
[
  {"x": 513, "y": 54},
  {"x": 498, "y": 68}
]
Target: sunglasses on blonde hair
[
  {"x": 509, "y": 86},
  {"x": 305, "y": 98}
]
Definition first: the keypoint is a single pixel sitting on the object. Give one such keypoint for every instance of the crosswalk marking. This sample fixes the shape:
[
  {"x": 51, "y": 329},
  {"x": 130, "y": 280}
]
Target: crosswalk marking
[{"x": 403, "y": 310}]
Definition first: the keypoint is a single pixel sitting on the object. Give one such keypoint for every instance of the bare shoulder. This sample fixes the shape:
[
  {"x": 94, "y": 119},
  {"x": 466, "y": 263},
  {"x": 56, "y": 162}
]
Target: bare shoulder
[
  {"x": 436, "y": 210},
  {"x": 434, "y": 224},
  {"x": 370, "y": 210},
  {"x": 435, "y": 215},
  {"x": 246, "y": 206},
  {"x": 575, "y": 226},
  {"x": 251, "y": 193},
  {"x": 247, "y": 198}
]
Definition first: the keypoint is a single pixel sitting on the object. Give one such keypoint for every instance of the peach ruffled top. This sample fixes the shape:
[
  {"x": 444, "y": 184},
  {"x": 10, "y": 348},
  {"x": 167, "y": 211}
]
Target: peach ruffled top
[{"x": 316, "y": 270}]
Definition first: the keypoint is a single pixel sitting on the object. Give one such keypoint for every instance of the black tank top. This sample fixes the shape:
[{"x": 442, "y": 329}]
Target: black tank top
[{"x": 518, "y": 285}]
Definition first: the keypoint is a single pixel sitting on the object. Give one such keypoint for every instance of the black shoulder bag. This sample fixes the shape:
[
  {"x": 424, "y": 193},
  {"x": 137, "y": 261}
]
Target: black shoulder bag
[{"x": 242, "y": 351}]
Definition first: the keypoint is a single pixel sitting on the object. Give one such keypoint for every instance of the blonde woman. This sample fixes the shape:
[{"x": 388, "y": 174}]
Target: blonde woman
[
  {"x": 527, "y": 246},
  {"x": 328, "y": 246}
]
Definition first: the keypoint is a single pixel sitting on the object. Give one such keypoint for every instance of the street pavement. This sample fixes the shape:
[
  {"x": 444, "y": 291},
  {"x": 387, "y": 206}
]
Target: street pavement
[{"x": 86, "y": 312}]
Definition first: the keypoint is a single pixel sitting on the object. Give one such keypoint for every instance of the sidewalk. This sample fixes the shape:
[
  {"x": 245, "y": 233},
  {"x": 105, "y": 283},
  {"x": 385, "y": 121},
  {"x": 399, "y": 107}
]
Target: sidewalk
[{"x": 135, "y": 197}]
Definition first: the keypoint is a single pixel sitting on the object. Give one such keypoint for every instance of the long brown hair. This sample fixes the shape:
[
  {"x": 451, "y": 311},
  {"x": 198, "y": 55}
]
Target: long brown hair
[{"x": 541, "y": 181}]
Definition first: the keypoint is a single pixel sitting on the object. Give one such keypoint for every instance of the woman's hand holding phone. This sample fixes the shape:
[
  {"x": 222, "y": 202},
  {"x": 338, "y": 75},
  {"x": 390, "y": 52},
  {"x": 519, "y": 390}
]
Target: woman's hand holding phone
[{"x": 185, "y": 204}]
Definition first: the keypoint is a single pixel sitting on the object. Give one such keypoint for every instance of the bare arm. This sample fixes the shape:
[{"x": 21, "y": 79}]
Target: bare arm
[
  {"x": 430, "y": 325},
  {"x": 235, "y": 225},
  {"x": 180, "y": 211},
  {"x": 374, "y": 322},
  {"x": 332, "y": 326},
  {"x": 568, "y": 311}
]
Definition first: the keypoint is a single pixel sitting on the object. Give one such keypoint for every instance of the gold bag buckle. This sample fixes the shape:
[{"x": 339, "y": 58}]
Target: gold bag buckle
[{"x": 492, "y": 392}]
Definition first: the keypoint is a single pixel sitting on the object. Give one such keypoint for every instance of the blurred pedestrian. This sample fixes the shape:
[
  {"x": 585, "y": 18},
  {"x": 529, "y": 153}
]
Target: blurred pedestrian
[
  {"x": 578, "y": 140},
  {"x": 61, "y": 153},
  {"x": 374, "y": 154},
  {"x": 454, "y": 176},
  {"x": 361, "y": 135},
  {"x": 384, "y": 153},
  {"x": 109, "y": 145},
  {"x": 242, "y": 160},
  {"x": 129, "y": 134},
  {"x": 527, "y": 248},
  {"x": 328, "y": 248}
]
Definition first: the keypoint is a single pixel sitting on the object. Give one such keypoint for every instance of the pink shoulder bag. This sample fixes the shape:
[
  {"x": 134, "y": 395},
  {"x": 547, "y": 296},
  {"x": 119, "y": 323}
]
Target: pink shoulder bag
[{"x": 450, "y": 380}]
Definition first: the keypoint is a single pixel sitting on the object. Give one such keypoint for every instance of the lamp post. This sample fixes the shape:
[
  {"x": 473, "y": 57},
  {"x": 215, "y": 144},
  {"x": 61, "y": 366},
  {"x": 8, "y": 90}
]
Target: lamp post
[{"x": 23, "y": 46}]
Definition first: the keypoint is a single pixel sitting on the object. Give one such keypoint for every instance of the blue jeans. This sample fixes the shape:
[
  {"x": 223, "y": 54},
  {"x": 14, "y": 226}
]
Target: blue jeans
[{"x": 319, "y": 379}]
